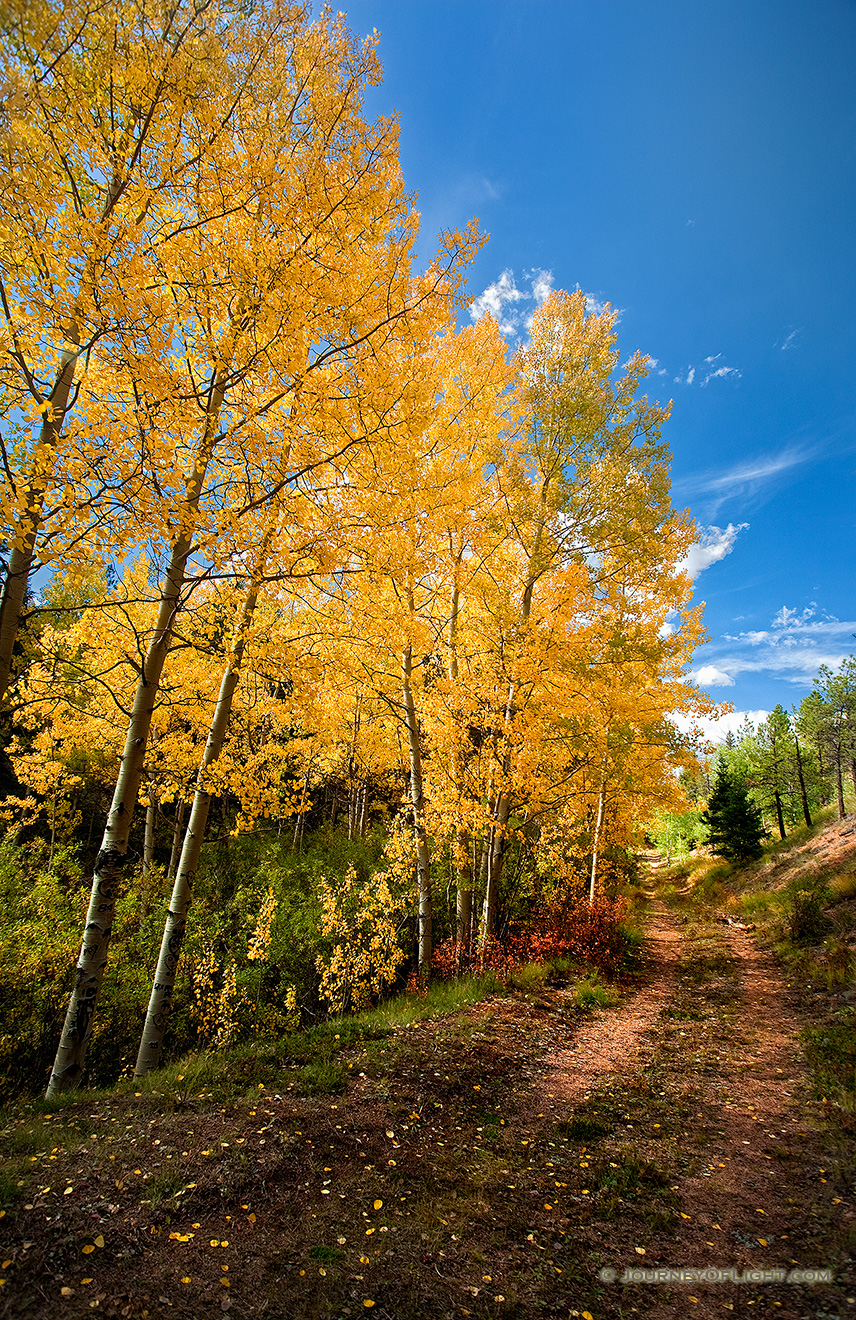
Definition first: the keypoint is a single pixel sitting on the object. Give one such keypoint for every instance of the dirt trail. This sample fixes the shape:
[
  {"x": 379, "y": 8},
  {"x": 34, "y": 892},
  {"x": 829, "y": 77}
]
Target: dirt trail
[{"x": 608, "y": 1042}]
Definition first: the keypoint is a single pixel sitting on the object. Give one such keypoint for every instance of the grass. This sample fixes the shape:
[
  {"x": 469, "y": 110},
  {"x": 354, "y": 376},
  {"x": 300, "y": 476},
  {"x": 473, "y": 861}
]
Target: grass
[{"x": 589, "y": 994}]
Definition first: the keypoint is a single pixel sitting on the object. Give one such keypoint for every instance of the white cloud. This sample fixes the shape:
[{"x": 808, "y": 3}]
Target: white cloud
[
  {"x": 496, "y": 296},
  {"x": 716, "y": 728},
  {"x": 791, "y": 649},
  {"x": 721, "y": 372},
  {"x": 542, "y": 285},
  {"x": 502, "y": 297},
  {"x": 712, "y": 676},
  {"x": 789, "y": 341},
  {"x": 713, "y": 544},
  {"x": 708, "y": 370}
]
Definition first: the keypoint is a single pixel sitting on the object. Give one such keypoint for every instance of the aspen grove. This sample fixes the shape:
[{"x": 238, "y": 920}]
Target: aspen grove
[{"x": 338, "y": 644}]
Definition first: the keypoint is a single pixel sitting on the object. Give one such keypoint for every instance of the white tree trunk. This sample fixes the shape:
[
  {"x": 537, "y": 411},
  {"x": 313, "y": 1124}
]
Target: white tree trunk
[
  {"x": 420, "y": 836},
  {"x": 160, "y": 1000},
  {"x": 596, "y": 841}
]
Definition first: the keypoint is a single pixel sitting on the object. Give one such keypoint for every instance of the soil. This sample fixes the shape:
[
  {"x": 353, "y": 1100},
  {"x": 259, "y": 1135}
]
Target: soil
[{"x": 511, "y": 1160}]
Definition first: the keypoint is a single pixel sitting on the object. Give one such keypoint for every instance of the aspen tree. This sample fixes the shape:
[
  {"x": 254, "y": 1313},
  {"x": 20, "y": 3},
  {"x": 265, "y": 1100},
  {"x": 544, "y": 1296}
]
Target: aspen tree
[
  {"x": 314, "y": 272},
  {"x": 583, "y": 439},
  {"x": 109, "y": 115}
]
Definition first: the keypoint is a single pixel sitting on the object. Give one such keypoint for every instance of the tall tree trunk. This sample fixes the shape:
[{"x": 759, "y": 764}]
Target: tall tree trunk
[
  {"x": 298, "y": 824},
  {"x": 488, "y": 867},
  {"x": 23, "y": 550},
  {"x": 26, "y": 533},
  {"x": 160, "y": 1000},
  {"x": 463, "y": 865},
  {"x": 464, "y": 899},
  {"x": 801, "y": 777},
  {"x": 853, "y": 775},
  {"x": 176, "y": 838},
  {"x": 420, "y": 836},
  {"x": 149, "y": 831},
  {"x": 839, "y": 785},
  {"x": 113, "y": 854},
  {"x": 363, "y": 807},
  {"x": 598, "y": 825},
  {"x": 779, "y": 816}
]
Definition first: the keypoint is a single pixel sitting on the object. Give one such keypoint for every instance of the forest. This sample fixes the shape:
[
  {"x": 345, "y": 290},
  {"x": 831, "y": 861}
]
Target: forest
[
  {"x": 379, "y": 929},
  {"x": 348, "y": 622}
]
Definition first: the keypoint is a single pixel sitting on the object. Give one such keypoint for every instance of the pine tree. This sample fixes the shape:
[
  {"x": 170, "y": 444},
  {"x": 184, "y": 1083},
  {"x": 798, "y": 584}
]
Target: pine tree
[{"x": 735, "y": 828}]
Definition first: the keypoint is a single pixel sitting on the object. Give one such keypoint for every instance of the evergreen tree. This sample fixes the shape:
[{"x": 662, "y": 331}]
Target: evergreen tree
[{"x": 735, "y": 828}]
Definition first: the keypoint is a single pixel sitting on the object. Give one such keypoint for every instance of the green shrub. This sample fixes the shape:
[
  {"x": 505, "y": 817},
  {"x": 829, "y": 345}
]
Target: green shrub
[{"x": 807, "y": 922}]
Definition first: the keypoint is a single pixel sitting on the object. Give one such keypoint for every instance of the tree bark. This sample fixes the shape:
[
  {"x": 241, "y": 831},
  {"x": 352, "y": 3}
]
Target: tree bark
[
  {"x": 596, "y": 841},
  {"x": 801, "y": 777},
  {"x": 176, "y": 838},
  {"x": 779, "y": 816},
  {"x": 420, "y": 836},
  {"x": 363, "y": 807},
  {"x": 160, "y": 1000},
  {"x": 23, "y": 549},
  {"x": 149, "y": 832},
  {"x": 488, "y": 872},
  {"x": 464, "y": 900},
  {"x": 839, "y": 785},
  {"x": 463, "y": 865}
]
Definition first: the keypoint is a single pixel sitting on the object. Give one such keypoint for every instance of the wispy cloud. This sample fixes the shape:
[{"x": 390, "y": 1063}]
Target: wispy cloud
[
  {"x": 707, "y": 372},
  {"x": 742, "y": 481},
  {"x": 792, "y": 648},
  {"x": 503, "y": 298},
  {"x": 790, "y": 340},
  {"x": 713, "y": 544}
]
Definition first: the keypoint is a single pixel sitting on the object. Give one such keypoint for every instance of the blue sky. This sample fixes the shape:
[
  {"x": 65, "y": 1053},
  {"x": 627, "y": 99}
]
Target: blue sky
[{"x": 693, "y": 164}]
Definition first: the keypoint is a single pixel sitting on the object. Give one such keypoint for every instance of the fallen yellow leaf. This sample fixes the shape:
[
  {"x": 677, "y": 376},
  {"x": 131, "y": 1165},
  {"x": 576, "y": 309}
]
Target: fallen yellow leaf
[
  {"x": 99, "y": 1241},
  {"x": 83, "y": 1281},
  {"x": 378, "y": 1205},
  {"x": 88, "y": 1249}
]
